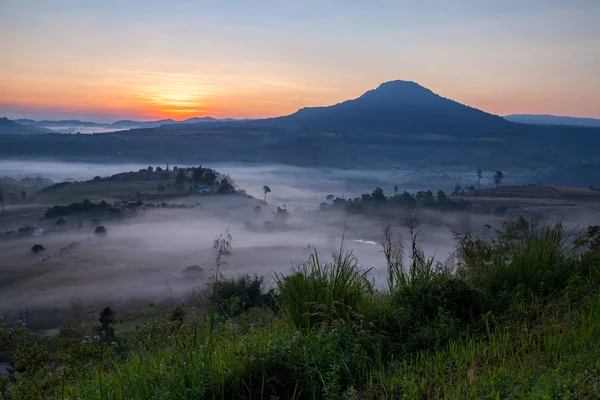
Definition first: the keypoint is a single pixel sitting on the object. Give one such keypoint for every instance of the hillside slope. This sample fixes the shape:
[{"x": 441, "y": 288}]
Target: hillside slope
[{"x": 9, "y": 127}]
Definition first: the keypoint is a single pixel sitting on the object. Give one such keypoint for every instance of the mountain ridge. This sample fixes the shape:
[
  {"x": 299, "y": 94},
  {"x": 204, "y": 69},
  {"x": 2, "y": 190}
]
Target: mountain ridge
[
  {"x": 395, "y": 107},
  {"x": 548, "y": 119}
]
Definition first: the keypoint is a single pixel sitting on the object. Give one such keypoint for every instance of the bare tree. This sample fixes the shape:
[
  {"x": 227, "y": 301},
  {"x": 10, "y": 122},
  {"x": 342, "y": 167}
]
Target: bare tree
[
  {"x": 394, "y": 256},
  {"x": 222, "y": 252},
  {"x": 412, "y": 221}
]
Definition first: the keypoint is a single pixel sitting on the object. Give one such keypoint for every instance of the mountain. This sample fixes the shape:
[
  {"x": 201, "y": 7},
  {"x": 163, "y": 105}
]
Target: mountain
[
  {"x": 141, "y": 124},
  {"x": 69, "y": 122},
  {"x": 544, "y": 119},
  {"x": 201, "y": 119},
  {"x": 396, "y": 107},
  {"x": 73, "y": 125},
  {"x": 9, "y": 127}
]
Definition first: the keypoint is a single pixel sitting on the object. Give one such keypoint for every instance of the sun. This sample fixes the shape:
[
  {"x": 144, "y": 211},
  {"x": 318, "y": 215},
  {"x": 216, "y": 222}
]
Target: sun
[{"x": 176, "y": 98}]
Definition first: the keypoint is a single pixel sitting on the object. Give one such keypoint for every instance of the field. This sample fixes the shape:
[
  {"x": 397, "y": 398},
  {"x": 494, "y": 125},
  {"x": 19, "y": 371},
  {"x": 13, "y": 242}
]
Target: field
[
  {"x": 519, "y": 317},
  {"x": 504, "y": 312}
]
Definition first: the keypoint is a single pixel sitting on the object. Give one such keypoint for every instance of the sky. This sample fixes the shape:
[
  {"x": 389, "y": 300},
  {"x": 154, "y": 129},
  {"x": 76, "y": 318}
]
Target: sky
[{"x": 113, "y": 59}]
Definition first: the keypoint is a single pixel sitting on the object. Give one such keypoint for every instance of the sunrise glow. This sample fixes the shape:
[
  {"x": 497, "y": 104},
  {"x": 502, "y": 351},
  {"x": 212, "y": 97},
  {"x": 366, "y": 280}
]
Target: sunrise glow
[{"x": 198, "y": 59}]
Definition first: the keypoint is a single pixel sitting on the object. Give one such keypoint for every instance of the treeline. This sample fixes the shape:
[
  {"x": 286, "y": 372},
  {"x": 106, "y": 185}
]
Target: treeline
[{"x": 377, "y": 200}]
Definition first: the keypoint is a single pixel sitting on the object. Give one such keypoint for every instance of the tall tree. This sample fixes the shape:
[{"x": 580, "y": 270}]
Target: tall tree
[
  {"x": 479, "y": 175},
  {"x": 498, "y": 178},
  {"x": 266, "y": 189},
  {"x": 180, "y": 179}
]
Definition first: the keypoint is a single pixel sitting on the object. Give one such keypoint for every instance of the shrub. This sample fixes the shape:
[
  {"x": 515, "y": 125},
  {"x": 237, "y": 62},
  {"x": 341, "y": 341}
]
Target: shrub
[
  {"x": 100, "y": 231},
  {"x": 233, "y": 296},
  {"x": 37, "y": 248},
  {"x": 195, "y": 270}
]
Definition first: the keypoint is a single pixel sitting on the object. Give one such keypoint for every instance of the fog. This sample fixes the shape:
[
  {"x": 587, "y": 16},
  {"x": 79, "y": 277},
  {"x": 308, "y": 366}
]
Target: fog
[
  {"x": 294, "y": 186},
  {"x": 85, "y": 130},
  {"x": 143, "y": 256}
]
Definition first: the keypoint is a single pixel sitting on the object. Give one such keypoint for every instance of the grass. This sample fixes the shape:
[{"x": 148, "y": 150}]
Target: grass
[{"x": 517, "y": 317}]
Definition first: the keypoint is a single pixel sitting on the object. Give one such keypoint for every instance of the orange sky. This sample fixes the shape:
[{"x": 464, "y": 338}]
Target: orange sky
[{"x": 67, "y": 58}]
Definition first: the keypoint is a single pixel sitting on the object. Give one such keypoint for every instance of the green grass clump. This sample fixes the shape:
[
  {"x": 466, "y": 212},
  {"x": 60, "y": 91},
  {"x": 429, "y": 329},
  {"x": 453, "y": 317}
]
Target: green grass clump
[{"x": 518, "y": 317}]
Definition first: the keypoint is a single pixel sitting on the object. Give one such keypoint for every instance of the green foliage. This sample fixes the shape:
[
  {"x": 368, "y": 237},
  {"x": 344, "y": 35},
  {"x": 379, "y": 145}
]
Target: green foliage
[
  {"x": 321, "y": 292},
  {"x": 234, "y": 296},
  {"x": 76, "y": 208},
  {"x": 519, "y": 317}
]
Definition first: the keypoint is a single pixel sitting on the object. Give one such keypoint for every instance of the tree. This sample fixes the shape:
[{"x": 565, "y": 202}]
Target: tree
[
  {"x": 266, "y": 189},
  {"x": 498, "y": 177},
  {"x": 378, "y": 195},
  {"x": 457, "y": 190},
  {"x": 180, "y": 179},
  {"x": 479, "y": 175},
  {"x": 225, "y": 186},
  {"x": 330, "y": 198},
  {"x": 2, "y": 199},
  {"x": 441, "y": 196}
]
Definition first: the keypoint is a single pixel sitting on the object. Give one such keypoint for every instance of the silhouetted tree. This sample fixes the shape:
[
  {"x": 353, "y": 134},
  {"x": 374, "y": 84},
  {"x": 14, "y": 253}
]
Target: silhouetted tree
[
  {"x": 330, "y": 198},
  {"x": 107, "y": 319},
  {"x": 180, "y": 179},
  {"x": 23, "y": 194},
  {"x": 225, "y": 186},
  {"x": 498, "y": 178},
  {"x": 378, "y": 195},
  {"x": 209, "y": 177},
  {"x": 441, "y": 197},
  {"x": 479, "y": 175},
  {"x": 266, "y": 189},
  {"x": 457, "y": 190}
]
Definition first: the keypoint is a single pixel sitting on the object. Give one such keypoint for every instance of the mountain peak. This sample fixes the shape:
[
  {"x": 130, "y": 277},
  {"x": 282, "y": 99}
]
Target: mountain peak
[
  {"x": 396, "y": 107},
  {"x": 400, "y": 91}
]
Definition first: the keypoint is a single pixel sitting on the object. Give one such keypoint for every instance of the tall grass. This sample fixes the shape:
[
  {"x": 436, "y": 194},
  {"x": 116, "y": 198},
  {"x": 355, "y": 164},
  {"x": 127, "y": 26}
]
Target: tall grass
[
  {"x": 518, "y": 318},
  {"x": 317, "y": 291}
]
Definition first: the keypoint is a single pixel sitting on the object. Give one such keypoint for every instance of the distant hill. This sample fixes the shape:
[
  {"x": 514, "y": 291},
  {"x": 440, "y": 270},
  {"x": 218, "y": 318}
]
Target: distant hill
[
  {"x": 122, "y": 124},
  {"x": 544, "y": 119},
  {"x": 73, "y": 122},
  {"x": 141, "y": 124},
  {"x": 536, "y": 192},
  {"x": 9, "y": 127},
  {"x": 396, "y": 107}
]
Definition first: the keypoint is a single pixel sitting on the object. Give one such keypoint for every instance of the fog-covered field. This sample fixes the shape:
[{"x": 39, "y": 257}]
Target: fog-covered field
[
  {"x": 144, "y": 255},
  {"x": 290, "y": 185}
]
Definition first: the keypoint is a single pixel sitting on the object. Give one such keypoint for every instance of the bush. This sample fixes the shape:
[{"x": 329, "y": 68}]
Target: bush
[
  {"x": 36, "y": 248},
  {"x": 234, "y": 296},
  {"x": 195, "y": 270},
  {"x": 100, "y": 231}
]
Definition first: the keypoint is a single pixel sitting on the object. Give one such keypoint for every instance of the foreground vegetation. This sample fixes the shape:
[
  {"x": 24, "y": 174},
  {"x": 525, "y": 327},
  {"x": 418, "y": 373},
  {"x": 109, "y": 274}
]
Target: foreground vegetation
[{"x": 515, "y": 315}]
